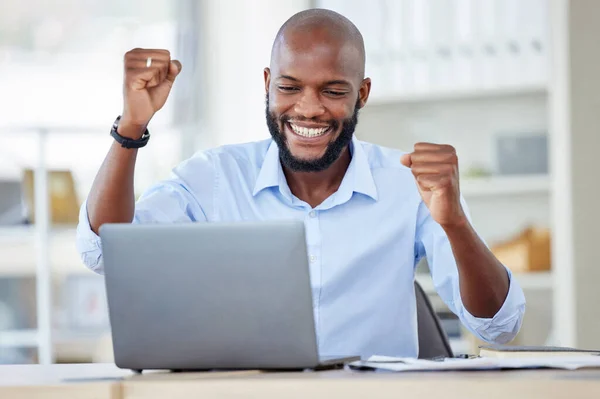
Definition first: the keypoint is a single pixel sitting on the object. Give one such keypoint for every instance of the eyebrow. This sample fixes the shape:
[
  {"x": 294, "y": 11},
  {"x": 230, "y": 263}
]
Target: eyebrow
[{"x": 330, "y": 82}]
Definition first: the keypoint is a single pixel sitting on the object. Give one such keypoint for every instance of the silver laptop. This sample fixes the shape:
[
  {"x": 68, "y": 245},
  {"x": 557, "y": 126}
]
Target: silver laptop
[{"x": 207, "y": 296}]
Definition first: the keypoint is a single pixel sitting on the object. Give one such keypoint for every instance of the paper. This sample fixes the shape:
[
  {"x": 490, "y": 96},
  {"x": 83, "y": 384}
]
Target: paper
[{"x": 479, "y": 363}]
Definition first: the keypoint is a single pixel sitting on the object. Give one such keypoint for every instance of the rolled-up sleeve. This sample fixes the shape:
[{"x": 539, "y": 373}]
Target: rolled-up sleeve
[
  {"x": 505, "y": 324},
  {"x": 167, "y": 202},
  {"x": 432, "y": 242},
  {"x": 88, "y": 243}
]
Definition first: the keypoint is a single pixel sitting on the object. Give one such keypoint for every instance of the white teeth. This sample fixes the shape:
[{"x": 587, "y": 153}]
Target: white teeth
[{"x": 308, "y": 132}]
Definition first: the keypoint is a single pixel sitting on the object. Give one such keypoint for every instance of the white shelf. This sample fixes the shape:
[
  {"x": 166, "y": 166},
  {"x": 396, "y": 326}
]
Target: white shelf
[
  {"x": 535, "y": 280},
  {"x": 18, "y": 248},
  {"x": 18, "y": 339},
  {"x": 527, "y": 281},
  {"x": 459, "y": 94},
  {"x": 505, "y": 185},
  {"x": 26, "y": 233},
  {"x": 67, "y": 344}
]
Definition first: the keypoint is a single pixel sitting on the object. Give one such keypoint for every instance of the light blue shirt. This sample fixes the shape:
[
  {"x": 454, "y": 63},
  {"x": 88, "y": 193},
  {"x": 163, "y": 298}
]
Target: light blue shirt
[{"x": 364, "y": 241}]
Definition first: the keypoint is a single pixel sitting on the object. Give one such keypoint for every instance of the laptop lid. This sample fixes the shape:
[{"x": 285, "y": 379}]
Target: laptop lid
[{"x": 209, "y": 295}]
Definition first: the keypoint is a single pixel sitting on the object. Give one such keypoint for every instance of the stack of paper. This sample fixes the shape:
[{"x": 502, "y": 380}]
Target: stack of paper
[
  {"x": 505, "y": 351},
  {"x": 450, "y": 364}
]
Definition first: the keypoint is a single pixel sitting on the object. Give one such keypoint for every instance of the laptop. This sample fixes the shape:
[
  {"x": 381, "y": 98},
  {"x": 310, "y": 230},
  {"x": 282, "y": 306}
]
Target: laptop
[{"x": 205, "y": 296}]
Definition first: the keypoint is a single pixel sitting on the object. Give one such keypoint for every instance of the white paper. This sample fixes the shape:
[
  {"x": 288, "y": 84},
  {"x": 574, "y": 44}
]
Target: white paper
[{"x": 480, "y": 363}]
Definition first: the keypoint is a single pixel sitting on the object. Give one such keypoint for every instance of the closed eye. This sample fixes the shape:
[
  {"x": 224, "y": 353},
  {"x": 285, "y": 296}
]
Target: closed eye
[
  {"x": 335, "y": 93},
  {"x": 288, "y": 89}
]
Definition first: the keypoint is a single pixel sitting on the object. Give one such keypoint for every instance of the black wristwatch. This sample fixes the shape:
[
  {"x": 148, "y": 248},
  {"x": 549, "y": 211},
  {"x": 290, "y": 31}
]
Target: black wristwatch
[{"x": 125, "y": 141}]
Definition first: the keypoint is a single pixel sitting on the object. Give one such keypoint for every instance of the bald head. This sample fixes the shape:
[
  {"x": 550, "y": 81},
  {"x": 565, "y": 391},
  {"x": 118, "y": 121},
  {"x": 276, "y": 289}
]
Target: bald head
[
  {"x": 321, "y": 28},
  {"x": 314, "y": 88}
]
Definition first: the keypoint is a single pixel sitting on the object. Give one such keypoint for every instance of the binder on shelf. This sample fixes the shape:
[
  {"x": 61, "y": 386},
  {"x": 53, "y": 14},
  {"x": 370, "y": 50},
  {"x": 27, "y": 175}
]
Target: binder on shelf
[
  {"x": 534, "y": 17},
  {"x": 486, "y": 54},
  {"x": 397, "y": 67},
  {"x": 420, "y": 44},
  {"x": 464, "y": 51},
  {"x": 442, "y": 43},
  {"x": 510, "y": 51},
  {"x": 429, "y": 47}
]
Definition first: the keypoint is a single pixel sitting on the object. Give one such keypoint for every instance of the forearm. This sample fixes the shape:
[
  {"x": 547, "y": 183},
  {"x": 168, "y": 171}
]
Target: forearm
[
  {"x": 483, "y": 279},
  {"x": 111, "y": 199}
]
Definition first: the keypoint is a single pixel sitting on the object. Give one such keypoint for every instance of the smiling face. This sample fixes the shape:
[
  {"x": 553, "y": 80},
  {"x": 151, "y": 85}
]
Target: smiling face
[{"x": 315, "y": 88}]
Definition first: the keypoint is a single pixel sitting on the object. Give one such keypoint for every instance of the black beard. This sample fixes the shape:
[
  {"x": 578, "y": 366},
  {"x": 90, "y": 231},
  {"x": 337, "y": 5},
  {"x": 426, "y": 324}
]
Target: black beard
[{"x": 332, "y": 153}]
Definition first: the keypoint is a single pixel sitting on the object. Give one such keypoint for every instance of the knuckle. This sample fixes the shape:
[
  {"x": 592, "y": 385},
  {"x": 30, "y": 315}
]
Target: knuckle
[
  {"x": 132, "y": 52},
  {"x": 449, "y": 148},
  {"x": 451, "y": 158}
]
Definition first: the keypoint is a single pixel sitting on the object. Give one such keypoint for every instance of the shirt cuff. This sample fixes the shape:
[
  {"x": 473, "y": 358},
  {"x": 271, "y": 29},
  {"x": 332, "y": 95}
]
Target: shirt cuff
[
  {"x": 505, "y": 324},
  {"x": 88, "y": 243}
]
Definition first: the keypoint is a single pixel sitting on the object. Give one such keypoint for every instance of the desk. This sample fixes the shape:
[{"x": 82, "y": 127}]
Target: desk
[{"x": 105, "y": 381}]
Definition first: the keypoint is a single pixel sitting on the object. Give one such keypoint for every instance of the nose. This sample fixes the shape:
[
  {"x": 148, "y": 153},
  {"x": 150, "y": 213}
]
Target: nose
[{"x": 309, "y": 105}]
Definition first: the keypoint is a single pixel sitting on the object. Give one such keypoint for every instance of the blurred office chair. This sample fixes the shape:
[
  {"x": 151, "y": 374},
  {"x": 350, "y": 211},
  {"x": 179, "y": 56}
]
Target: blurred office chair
[{"x": 433, "y": 341}]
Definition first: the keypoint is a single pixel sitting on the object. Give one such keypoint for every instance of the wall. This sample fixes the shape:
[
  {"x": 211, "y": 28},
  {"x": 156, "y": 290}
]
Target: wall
[{"x": 575, "y": 119}]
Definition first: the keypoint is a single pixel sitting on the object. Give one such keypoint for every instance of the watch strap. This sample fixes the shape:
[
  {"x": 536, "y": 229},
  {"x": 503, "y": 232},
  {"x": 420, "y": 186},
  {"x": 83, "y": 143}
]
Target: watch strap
[{"x": 126, "y": 142}]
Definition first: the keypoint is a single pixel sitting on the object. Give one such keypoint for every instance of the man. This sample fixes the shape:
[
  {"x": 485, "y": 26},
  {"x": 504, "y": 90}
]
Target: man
[{"x": 371, "y": 213}]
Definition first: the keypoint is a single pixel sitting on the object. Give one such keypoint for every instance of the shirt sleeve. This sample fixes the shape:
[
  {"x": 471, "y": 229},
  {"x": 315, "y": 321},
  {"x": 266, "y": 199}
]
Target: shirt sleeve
[
  {"x": 170, "y": 201},
  {"x": 432, "y": 242}
]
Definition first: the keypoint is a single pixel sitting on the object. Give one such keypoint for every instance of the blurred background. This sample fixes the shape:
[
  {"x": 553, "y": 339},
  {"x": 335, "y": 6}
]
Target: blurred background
[{"x": 497, "y": 79}]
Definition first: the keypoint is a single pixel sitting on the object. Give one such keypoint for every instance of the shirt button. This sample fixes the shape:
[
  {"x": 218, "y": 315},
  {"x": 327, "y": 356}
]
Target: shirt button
[
  {"x": 313, "y": 258},
  {"x": 312, "y": 214}
]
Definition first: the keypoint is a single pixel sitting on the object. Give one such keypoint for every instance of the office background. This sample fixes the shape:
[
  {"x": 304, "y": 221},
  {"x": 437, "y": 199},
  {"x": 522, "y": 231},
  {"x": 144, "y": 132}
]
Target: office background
[{"x": 506, "y": 82}]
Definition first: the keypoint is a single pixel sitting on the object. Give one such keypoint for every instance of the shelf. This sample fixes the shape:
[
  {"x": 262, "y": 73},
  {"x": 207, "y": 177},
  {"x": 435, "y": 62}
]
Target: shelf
[
  {"x": 527, "y": 281},
  {"x": 25, "y": 233},
  {"x": 535, "y": 280},
  {"x": 18, "y": 339},
  {"x": 459, "y": 94},
  {"x": 71, "y": 345},
  {"x": 18, "y": 249},
  {"x": 505, "y": 185}
]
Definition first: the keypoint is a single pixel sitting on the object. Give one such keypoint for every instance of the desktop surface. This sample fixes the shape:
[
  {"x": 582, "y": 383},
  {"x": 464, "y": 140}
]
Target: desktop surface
[{"x": 107, "y": 381}]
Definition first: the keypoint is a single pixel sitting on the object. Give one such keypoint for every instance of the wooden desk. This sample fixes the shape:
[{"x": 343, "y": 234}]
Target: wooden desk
[{"x": 104, "y": 381}]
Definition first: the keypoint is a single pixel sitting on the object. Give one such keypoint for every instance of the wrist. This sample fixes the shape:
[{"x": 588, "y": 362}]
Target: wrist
[
  {"x": 128, "y": 135},
  {"x": 459, "y": 223},
  {"x": 130, "y": 129}
]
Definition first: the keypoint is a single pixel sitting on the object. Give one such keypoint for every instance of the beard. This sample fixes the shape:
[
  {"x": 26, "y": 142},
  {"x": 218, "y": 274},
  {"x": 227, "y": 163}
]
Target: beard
[{"x": 334, "y": 148}]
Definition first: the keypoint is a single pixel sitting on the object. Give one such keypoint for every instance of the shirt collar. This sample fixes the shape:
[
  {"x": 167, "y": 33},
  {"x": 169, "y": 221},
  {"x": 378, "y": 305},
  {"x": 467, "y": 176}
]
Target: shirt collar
[
  {"x": 358, "y": 177},
  {"x": 271, "y": 173}
]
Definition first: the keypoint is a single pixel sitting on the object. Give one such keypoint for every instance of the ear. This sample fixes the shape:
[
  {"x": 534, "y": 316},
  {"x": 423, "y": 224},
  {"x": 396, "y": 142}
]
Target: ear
[
  {"x": 267, "y": 74},
  {"x": 363, "y": 92}
]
